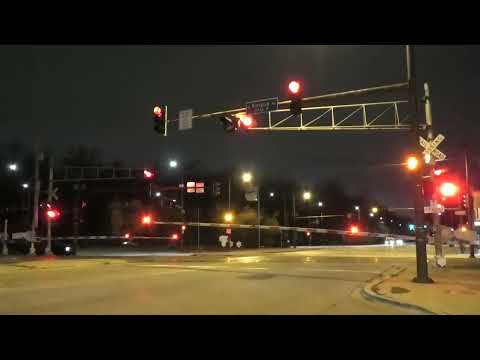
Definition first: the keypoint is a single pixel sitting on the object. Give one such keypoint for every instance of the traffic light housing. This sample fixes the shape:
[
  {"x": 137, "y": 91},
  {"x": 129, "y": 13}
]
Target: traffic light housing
[
  {"x": 230, "y": 123},
  {"x": 217, "y": 188},
  {"x": 295, "y": 96},
  {"x": 160, "y": 119}
]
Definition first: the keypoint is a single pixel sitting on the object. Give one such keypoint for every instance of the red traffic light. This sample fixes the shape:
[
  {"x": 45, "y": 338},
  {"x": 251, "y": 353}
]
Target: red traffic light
[
  {"x": 146, "y": 220},
  {"x": 354, "y": 229},
  {"x": 127, "y": 236},
  {"x": 157, "y": 111},
  {"x": 294, "y": 87},
  {"x": 53, "y": 214},
  {"x": 246, "y": 121},
  {"x": 448, "y": 189},
  {"x": 147, "y": 174},
  {"x": 175, "y": 236}
]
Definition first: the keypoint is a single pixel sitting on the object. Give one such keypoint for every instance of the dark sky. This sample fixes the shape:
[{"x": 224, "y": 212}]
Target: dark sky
[{"x": 103, "y": 96}]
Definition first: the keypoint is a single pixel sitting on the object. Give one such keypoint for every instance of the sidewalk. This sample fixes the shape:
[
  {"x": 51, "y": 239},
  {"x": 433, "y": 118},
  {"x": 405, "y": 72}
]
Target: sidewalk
[{"x": 456, "y": 290}]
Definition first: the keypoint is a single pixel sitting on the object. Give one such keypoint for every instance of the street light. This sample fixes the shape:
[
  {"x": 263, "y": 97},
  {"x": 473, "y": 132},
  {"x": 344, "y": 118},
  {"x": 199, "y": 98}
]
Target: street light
[
  {"x": 357, "y": 208},
  {"x": 228, "y": 217},
  {"x": 374, "y": 210},
  {"x": 247, "y": 177},
  {"x": 157, "y": 194},
  {"x": 372, "y": 214},
  {"x": 320, "y": 204},
  {"x": 173, "y": 163},
  {"x": 307, "y": 195},
  {"x": 272, "y": 194},
  {"x": 12, "y": 167},
  {"x": 25, "y": 185}
]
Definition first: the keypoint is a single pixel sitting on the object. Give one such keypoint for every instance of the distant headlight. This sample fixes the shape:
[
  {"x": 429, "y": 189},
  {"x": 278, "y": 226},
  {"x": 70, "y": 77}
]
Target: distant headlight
[
  {"x": 399, "y": 242},
  {"x": 125, "y": 243},
  {"x": 67, "y": 248}
]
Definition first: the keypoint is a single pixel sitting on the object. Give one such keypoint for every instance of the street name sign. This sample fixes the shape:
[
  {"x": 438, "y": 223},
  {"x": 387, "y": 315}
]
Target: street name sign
[
  {"x": 185, "y": 119},
  {"x": 261, "y": 106}
]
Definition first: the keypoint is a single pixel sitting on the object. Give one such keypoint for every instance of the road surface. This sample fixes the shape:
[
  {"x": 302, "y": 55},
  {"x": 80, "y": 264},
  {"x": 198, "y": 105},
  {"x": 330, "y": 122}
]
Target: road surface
[{"x": 312, "y": 281}]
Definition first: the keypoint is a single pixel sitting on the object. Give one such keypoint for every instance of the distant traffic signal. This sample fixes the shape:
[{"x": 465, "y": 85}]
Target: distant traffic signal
[
  {"x": 148, "y": 174},
  {"x": 246, "y": 122},
  {"x": 160, "y": 119},
  {"x": 147, "y": 220},
  {"x": 295, "y": 96}
]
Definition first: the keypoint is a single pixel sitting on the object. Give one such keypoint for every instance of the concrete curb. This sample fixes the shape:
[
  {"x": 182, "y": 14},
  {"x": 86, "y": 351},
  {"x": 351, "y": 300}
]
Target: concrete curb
[{"x": 370, "y": 294}]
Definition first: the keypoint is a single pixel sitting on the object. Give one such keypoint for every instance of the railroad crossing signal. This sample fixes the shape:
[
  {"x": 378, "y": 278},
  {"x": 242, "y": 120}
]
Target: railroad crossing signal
[{"x": 431, "y": 147}]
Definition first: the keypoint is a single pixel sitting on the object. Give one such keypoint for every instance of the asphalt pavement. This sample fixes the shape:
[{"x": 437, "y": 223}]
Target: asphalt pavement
[{"x": 309, "y": 281}]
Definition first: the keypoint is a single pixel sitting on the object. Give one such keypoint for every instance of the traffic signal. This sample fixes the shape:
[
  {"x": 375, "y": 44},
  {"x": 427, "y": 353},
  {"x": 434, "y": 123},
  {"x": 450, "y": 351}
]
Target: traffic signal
[
  {"x": 295, "y": 96},
  {"x": 230, "y": 123},
  {"x": 147, "y": 220},
  {"x": 464, "y": 203},
  {"x": 246, "y": 121},
  {"x": 354, "y": 229},
  {"x": 448, "y": 189},
  {"x": 217, "y": 190},
  {"x": 148, "y": 174},
  {"x": 160, "y": 119}
]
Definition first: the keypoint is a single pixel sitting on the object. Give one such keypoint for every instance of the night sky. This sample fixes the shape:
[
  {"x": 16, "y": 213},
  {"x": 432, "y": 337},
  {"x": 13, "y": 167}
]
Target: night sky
[{"x": 102, "y": 96}]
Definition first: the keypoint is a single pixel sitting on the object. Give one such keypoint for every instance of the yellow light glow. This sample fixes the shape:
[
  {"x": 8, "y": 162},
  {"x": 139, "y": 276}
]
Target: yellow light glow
[
  {"x": 228, "y": 217},
  {"x": 307, "y": 195},
  {"x": 374, "y": 210},
  {"x": 412, "y": 163},
  {"x": 247, "y": 177}
]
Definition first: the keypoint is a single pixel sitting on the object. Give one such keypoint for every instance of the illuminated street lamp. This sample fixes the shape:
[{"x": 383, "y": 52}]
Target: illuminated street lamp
[
  {"x": 372, "y": 214},
  {"x": 12, "y": 167},
  {"x": 173, "y": 163},
  {"x": 320, "y": 204},
  {"x": 247, "y": 177},
  {"x": 374, "y": 210},
  {"x": 272, "y": 194},
  {"x": 25, "y": 186},
  {"x": 307, "y": 195},
  {"x": 228, "y": 217}
]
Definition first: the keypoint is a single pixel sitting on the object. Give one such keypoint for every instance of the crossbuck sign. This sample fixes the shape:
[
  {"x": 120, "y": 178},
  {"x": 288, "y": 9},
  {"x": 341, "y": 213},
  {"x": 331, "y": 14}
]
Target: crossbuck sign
[{"x": 431, "y": 147}]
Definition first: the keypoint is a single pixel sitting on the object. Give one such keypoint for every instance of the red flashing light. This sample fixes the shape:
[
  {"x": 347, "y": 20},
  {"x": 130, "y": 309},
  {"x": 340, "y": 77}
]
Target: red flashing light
[
  {"x": 438, "y": 172},
  {"x": 294, "y": 87},
  {"x": 147, "y": 220},
  {"x": 175, "y": 236},
  {"x": 53, "y": 214},
  {"x": 448, "y": 189},
  {"x": 354, "y": 229},
  {"x": 127, "y": 236}
]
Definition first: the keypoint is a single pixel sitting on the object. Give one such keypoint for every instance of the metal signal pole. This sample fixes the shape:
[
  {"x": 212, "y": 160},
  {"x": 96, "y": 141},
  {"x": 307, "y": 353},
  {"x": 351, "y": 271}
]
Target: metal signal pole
[
  {"x": 48, "y": 250},
  {"x": 420, "y": 235}
]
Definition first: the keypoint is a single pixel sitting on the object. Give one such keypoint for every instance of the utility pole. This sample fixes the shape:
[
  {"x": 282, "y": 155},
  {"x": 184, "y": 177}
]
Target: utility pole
[
  {"x": 5, "y": 237},
  {"x": 258, "y": 215},
  {"x": 48, "y": 250},
  {"x": 229, "y": 191},
  {"x": 294, "y": 219},
  {"x": 36, "y": 197},
  {"x": 420, "y": 236}
]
